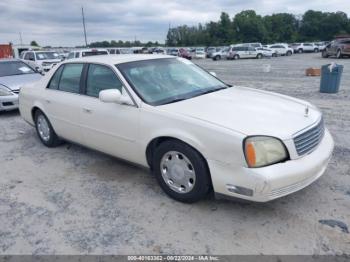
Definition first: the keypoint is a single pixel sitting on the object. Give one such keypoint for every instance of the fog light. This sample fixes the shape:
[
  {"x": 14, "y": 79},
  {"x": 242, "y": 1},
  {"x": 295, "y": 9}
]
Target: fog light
[{"x": 240, "y": 190}]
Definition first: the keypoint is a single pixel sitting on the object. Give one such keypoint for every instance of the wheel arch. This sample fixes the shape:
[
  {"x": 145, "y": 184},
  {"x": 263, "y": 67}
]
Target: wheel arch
[
  {"x": 34, "y": 109},
  {"x": 156, "y": 141}
]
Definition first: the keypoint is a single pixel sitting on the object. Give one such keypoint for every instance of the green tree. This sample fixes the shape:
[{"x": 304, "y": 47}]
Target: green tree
[
  {"x": 34, "y": 43},
  {"x": 281, "y": 27},
  {"x": 249, "y": 27}
]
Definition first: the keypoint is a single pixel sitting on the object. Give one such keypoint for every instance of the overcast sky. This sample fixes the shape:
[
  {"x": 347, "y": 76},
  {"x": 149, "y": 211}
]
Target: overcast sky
[{"x": 58, "y": 22}]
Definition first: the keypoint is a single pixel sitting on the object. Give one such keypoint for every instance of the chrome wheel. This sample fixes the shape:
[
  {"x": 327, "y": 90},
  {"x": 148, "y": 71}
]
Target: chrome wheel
[
  {"x": 43, "y": 128},
  {"x": 178, "y": 172}
]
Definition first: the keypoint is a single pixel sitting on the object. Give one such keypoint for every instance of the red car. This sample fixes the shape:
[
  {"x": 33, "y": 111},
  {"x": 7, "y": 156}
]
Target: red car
[{"x": 183, "y": 52}]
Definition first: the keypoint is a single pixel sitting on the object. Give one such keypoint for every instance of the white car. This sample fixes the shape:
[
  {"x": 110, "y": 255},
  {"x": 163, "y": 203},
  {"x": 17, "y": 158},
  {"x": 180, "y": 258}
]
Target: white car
[
  {"x": 87, "y": 52},
  {"x": 196, "y": 133},
  {"x": 305, "y": 47},
  {"x": 267, "y": 52},
  {"x": 42, "y": 61},
  {"x": 240, "y": 51},
  {"x": 200, "y": 53},
  {"x": 221, "y": 54},
  {"x": 281, "y": 49}
]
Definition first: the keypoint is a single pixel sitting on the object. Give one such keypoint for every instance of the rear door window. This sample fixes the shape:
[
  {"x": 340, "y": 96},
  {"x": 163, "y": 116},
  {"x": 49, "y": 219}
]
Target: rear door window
[
  {"x": 70, "y": 79},
  {"x": 55, "y": 79}
]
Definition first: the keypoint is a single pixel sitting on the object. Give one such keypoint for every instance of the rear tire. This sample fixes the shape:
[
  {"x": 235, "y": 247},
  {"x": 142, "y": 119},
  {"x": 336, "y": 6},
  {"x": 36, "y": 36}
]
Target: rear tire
[
  {"x": 181, "y": 171},
  {"x": 324, "y": 54},
  {"x": 316, "y": 50},
  {"x": 236, "y": 57},
  {"x": 45, "y": 131},
  {"x": 289, "y": 53},
  {"x": 300, "y": 51},
  {"x": 259, "y": 56},
  {"x": 339, "y": 55}
]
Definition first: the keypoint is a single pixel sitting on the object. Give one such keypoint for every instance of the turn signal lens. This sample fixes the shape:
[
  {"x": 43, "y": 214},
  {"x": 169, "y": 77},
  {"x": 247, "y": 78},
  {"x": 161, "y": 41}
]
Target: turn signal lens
[{"x": 250, "y": 154}]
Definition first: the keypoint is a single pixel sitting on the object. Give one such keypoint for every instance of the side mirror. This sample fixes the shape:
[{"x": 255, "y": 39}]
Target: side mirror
[
  {"x": 39, "y": 70},
  {"x": 212, "y": 73},
  {"x": 114, "y": 96}
]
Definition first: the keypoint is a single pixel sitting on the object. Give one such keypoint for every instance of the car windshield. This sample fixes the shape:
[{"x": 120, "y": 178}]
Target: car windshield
[
  {"x": 168, "y": 80},
  {"x": 46, "y": 55},
  {"x": 14, "y": 68}
]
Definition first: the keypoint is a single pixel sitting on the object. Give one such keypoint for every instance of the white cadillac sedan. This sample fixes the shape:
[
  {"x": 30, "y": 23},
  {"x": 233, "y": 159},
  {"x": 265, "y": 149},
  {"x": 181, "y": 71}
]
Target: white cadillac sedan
[{"x": 196, "y": 133}]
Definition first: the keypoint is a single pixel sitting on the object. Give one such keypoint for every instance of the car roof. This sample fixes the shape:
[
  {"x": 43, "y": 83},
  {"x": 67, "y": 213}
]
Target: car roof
[{"x": 117, "y": 59}]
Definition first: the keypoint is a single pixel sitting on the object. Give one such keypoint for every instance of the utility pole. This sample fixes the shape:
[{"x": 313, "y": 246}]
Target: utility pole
[
  {"x": 82, "y": 13},
  {"x": 20, "y": 38}
]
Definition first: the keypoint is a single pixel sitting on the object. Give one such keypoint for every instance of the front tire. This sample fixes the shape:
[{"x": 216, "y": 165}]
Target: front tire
[
  {"x": 181, "y": 171},
  {"x": 45, "y": 131},
  {"x": 289, "y": 53},
  {"x": 324, "y": 54},
  {"x": 235, "y": 57},
  {"x": 316, "y": 50},
  {"x": 300, "y": 51},
  {"x": 259, "y": 56}
]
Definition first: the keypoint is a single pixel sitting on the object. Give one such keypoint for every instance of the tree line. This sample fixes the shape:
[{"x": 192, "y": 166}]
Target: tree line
[
  {"x": 121, "y": 43},
  {"x": 248, "y": 26}
]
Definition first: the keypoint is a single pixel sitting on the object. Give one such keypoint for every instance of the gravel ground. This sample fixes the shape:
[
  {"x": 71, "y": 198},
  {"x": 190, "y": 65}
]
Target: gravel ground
[{"x": 71, "y": 200}]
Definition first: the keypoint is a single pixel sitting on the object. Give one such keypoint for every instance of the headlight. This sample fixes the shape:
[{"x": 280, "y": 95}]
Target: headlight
[
  {"x": 5, "y": 91},
  {"x": 264, "y": 150}
]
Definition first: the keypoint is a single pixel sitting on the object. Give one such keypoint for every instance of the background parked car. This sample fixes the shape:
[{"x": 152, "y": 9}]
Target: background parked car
[
  {"x": 321, "y": 45},
  {"x": 173, "y": 51},
  {"x": 338, "y": 48},
  {"x": 119, "y": 51},
  {"x": 222, "y": 53},
  {"x": 87, "y": 52},
  {"x": 184, "y": 52},
  {"x": 14, "y": 73},
  {"x": 42, "y": 61},
  {"x": 305, "y": 47},
  {"x": 267, "y": 52},
  {"x": 200, "y": 53},
  {"x": 238, "y": 52},
  {"x": 281, "y": 49}
]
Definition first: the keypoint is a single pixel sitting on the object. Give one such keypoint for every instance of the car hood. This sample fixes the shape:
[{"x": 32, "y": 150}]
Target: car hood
[
  {"x": 249, "y": 111},
  {"x": 52, "y": 61},
  {"x": 16, "y": 81}
]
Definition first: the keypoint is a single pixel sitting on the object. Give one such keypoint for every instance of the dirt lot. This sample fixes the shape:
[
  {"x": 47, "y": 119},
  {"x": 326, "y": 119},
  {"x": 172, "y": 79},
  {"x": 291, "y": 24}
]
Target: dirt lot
[{"x": 71, "y": 200}]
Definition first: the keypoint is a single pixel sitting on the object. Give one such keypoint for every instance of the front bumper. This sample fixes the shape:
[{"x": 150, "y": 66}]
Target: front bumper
[
  {"x": 271, "y": 182},
  {"x": 8, "y": 103}
]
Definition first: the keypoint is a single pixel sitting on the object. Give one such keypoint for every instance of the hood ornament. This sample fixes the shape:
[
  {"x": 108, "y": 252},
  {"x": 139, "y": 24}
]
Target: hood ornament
[{"x": 306, "y": 111}]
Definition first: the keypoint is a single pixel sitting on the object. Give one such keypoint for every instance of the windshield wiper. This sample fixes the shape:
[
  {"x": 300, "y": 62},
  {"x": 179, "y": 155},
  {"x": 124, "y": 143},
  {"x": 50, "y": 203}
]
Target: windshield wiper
[
  {"x": 174, "y": 101},
  {"x": 212, "y": 90}
]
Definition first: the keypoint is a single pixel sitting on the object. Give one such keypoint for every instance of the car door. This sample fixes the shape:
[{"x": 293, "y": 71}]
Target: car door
[
  {"x": 108, "y": 127},
  {"x": 251, "y": 52},
  {"x": 62, "y": 101},
  {"x": 30, "y": 59}
]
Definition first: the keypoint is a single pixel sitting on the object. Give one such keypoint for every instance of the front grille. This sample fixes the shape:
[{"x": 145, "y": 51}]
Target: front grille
[{"x": 308, "y": 140}]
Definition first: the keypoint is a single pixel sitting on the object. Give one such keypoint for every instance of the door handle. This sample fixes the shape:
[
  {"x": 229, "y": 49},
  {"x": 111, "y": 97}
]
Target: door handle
[{"x": 87, "y": 110}]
